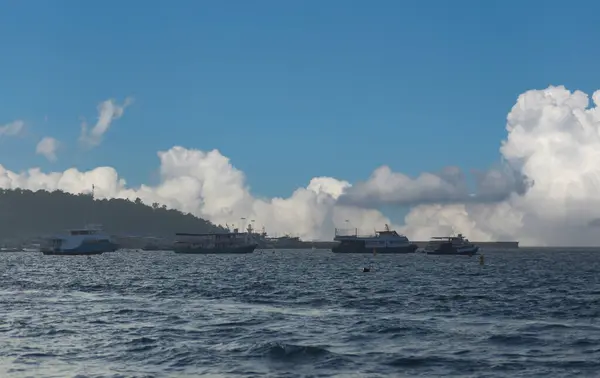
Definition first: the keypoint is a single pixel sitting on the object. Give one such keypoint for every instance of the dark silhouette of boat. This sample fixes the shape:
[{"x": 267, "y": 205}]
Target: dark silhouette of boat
[{"x": 451, "y": 245}]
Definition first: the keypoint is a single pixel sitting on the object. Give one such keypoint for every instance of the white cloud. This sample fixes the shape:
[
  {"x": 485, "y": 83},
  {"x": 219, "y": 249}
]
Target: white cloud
[
  {"x": 12, "y": 129},
  {"x": 108, "y": 111},
  {"x": 47, "y": 147},
  {"x": 386, "y": 187},
  {"x": 207, "y": 185},
  {"x": 553, "y": 140}
]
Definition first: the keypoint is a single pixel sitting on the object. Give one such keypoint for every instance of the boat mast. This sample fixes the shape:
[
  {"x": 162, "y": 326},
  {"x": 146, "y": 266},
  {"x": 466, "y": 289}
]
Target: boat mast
[{"x": 87, "y": 225}]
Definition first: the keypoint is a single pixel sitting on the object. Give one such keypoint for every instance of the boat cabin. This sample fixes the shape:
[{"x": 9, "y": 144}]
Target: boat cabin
[
  {"x": 83, "y": 232},
  {"x": 388, "y": 234},
  {"x": 380, "y": 239},
  {"x": 453, "y": 240}
]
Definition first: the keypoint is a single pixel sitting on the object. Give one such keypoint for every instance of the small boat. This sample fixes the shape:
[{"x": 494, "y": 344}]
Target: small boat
[
  {"x": 89, "y": 240},
  {"x": 387, "y": 241},
  {"x": 451, "y": 245},
  {"x": 215, "y": 243}
]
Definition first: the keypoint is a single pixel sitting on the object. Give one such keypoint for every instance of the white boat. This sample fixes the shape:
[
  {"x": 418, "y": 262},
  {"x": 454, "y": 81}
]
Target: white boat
[
  {"x": 451, "y": 245},
  {"x": 387, "y": 241},
  {"x": 89, "y": 240}
]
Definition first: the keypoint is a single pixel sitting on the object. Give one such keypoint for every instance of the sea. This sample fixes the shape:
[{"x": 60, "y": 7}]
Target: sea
[{"x": 311, "y": 313}]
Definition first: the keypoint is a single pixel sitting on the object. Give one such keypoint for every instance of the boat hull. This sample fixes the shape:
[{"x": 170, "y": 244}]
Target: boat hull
[
  {"x": 411, "y": 248},
  {"x": 454, "y": 251},
  {"x": 218, "y": 251},
  {"x": 86, "y": 248},
  {"x": 70, "y": 253}
]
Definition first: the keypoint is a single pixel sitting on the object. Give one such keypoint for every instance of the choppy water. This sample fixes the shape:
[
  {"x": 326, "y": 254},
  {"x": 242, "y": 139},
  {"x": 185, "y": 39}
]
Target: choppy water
[{"x": 300, "y": 313}]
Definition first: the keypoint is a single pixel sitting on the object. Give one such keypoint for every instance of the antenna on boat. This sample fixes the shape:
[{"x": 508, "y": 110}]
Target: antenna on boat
[{"x": 85, "y": 224}]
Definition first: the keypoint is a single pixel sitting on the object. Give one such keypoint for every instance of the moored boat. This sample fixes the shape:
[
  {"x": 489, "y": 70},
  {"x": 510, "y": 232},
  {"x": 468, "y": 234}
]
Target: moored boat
[
  {"x": 387, "y": 241},
  {"x": 215, "y": 243},
  {"x": 451, "y": 245},
  {"x": 89, "y": 240}
]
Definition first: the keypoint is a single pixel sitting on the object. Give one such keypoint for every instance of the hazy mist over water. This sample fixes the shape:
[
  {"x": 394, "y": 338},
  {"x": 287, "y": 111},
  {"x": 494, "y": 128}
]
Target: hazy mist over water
[{"x": 526, "y": 313}]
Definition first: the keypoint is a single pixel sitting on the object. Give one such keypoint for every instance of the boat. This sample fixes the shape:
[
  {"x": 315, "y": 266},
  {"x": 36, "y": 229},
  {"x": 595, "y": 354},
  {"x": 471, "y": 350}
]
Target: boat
[
  {"x": 387, "y": 241},
  {"x": 287, "y": 242},
  {"x": 215, "y": 243},
  {"x": 89, "y": 240},
  {"x": 451, "y": 245}
]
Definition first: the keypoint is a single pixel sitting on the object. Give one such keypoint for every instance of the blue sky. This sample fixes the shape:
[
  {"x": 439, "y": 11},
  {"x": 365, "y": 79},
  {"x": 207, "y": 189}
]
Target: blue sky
[{"x": 287, "y": 90}]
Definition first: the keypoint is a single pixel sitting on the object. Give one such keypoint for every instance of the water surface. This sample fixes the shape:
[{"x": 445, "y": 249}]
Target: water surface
[{"x": 527, "y": 313}]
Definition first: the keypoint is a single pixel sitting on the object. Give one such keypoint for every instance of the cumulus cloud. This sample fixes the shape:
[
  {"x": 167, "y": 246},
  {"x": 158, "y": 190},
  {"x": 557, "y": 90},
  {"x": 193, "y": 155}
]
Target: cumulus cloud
[
  {"x": 386, "y": 187},
  {"x": 108, "y": 111},
  {"x": 12, "y": 129},
  {"x": 208, "y": 185},
  {"x": 47, "y": 147},
  {"x": 553, "y": 140},
  {"x": 544, "y": 191}
]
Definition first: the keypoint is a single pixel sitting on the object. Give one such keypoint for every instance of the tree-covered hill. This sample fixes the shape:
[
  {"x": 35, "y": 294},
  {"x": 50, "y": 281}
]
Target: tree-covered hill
[{"x": 27, "y": 214}]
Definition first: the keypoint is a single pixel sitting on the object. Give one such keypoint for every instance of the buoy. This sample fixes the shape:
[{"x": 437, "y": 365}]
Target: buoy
[{"x": 481, "y": 260}]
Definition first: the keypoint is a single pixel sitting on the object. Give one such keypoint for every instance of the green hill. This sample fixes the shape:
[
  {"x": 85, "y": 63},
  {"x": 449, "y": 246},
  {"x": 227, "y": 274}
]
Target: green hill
[{"x": 26, "y": 214}]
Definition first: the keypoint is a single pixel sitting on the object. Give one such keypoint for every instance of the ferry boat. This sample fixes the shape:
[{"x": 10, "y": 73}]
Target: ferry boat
[
  {"x": 387, "y": 241},
  {"x": 89, "y": 240},
  {"x": 451, "y": 245},
  {"x": 215, "y": 243}
]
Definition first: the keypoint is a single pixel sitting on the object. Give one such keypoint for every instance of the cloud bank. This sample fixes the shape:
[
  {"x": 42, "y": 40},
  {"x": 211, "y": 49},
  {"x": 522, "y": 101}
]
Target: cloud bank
[
  {"x": 553, "y": 140},
  {"x": 386, "y": 187},
  {"x": 545, "y": 190},
  {"x": 207, "y": 185}
]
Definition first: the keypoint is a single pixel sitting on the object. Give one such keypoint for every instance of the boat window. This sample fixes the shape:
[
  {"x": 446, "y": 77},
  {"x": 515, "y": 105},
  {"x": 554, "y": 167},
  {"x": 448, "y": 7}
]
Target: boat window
[{"x": 83, "y": 232}]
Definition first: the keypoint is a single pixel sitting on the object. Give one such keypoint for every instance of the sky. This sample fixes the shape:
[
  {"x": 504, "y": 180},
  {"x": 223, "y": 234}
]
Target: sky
[{"x": 287, "y": 92}]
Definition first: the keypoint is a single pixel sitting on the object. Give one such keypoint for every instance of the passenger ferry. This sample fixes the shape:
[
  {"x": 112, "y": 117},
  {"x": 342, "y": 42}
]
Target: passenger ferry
[
  {"x": 451, "y": 245},
  {"x": 387, "y": 241},
  {"x": 89, "y": 240},
  {"x": 216, "y": 243}
]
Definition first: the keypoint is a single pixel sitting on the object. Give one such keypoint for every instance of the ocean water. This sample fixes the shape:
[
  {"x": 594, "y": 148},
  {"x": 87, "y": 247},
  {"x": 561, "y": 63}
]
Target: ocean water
[{"x": 526, "y": 313}]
